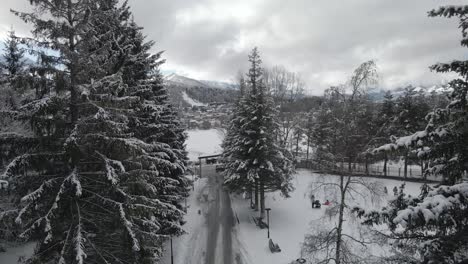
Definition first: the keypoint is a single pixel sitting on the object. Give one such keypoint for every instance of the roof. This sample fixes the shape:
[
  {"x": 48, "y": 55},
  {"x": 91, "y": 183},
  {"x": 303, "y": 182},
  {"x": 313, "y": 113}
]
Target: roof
[{"x": 210, "y": 156}]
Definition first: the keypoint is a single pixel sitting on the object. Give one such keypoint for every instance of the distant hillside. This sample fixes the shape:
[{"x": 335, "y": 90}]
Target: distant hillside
[
  {"x": 178, "y": 80},
  {"x": 184, "y": 92}
]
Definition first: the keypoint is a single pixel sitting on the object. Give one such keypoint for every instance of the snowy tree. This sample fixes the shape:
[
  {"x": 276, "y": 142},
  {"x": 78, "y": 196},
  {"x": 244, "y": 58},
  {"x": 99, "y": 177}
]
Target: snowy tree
[
  {"x": 61, "y": 26},
  {"x": 344, "y": 125},
  {"x": 107, "y": 186},
  {"x": 13, "y": 57},
  {"x": 432, "y": 227},
  {"x": 113, "y": 192},
  {"x": 385, "y": 122},
  {"x": 441, "y": 142},
  {"x": 253, "y": 154}
]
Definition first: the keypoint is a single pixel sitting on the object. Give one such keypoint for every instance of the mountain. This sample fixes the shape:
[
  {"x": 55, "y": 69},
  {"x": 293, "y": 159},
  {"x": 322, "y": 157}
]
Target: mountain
[
  {"x": 187, "y": 92},
  {"x": 378, "y": 94},
  {"x": 178, "y": 80}
]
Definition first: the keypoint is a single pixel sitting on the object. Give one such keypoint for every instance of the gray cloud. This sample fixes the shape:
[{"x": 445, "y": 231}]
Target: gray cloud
[{"x": 323, "y": 40}]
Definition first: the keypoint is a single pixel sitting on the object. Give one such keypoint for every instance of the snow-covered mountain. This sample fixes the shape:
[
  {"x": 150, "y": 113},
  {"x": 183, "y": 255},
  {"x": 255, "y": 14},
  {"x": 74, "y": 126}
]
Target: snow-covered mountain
[
  {"x": 178, "y": 80},
  {"x": 378, "y": 94}
]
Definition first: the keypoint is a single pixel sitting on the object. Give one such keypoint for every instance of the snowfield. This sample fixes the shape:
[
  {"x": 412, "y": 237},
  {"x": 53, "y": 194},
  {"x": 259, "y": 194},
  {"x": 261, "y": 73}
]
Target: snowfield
[
  {"x": 204, "y": 142},
  {"x": 292, "y": 218}
]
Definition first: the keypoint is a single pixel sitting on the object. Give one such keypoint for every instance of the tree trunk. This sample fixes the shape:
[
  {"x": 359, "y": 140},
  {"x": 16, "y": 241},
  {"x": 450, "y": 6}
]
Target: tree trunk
[
  {"x": 256, "y": 195},
  {"x": 367, "y": 165},
  {"x": 349, "y": 165},
  {"x": 251, "y": 195},
  {"x": 422, "y": 170},
  {"x": 385, "y": 165},
  {"x": 405, "y": 173},
  {"x": 297, "y": 145},
  {"x": 340, "y": 221},
  {"x": 72, "y": 67},
  {"x": 262, "y": 200},
  {"x": 308, "y": 144}
]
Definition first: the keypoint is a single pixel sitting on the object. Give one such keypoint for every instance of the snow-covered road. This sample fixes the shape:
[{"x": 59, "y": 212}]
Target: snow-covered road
[
  {"x": 211, "y": 235},
  {"x": 220, "y": 221}
]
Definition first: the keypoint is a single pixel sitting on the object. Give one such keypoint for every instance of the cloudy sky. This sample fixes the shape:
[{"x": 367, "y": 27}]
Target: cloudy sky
[{"x": 323, "y": 40}]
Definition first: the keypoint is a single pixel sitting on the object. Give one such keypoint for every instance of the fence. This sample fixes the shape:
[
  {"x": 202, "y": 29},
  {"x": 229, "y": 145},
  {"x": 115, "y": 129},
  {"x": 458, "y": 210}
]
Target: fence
[{"x": 394, "y": 171}]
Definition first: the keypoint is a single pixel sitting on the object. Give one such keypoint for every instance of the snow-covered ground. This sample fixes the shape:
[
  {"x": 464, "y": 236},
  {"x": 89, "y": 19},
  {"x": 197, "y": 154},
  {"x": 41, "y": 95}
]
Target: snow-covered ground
[
  {"x": 14, "y": 252},
  {"x": 191, "y": 101},
  {"x": 290, "y": 219},
  {"x": 204, "y": 142}
]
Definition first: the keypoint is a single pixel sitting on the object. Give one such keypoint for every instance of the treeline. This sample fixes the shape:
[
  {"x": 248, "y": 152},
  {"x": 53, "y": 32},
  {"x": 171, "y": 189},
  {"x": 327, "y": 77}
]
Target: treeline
[
  {"x": 92, "y": 154},
  {"x": 349, "y": 126}
]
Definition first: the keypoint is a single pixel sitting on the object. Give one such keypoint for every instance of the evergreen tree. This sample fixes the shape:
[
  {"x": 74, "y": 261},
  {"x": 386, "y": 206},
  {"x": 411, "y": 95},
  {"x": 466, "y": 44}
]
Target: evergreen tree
[
  {"x": 61, "y": 26},
  {"x": 13, "y": 56},
  {"x": 432, "y": 228},
  {"x": 255, "y": 156},
  {"x": 109, "y": 189}
]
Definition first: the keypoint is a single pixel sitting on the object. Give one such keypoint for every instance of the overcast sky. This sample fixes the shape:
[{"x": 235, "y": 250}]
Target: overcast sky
[{"x": 323, "y": 40}]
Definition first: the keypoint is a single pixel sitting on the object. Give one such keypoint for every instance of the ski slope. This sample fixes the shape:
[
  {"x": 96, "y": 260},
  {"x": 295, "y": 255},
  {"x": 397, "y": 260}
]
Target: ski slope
[{"x": 190, "y": 101}]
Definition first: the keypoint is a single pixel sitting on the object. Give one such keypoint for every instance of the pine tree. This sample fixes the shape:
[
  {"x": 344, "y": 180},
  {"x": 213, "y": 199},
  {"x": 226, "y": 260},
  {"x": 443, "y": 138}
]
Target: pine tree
[
  {"x": 13, "y": 57},
  {"x": 117, "y": 175},
  {"x": 61, "y": 26},
  {"x": 432, "y": 228},
  {"x": 256, "y": 158},
  {"x": 386, "y": 124}
]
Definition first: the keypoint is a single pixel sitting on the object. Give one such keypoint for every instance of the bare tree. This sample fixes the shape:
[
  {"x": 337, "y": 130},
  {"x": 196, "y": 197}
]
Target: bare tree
[
  {"x": 284, "y": 86},
  {"x": 337, "y": 244}
]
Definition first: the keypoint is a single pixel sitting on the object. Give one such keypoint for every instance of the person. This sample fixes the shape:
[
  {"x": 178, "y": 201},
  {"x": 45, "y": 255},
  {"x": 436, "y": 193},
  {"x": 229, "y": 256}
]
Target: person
[
  {"x": 395, "y": 191},
  {"x": 312, "y": 200},
  {"x": 317, "y": 204},
  {"x": 385, "y": 190},
  {"x": 327, "y": 203}
]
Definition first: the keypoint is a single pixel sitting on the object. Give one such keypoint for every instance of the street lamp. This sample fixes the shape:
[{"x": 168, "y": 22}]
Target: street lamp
[
  {"x": 172, "y": 255},
  {"x": 268, "y": 220},
  {"x": 193, "y": 182}
]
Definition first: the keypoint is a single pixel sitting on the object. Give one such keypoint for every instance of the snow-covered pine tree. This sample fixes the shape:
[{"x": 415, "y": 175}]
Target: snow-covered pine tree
[
  {"x": 61, "y": 26},
  {"x": 13, "y": 60},
  {"x": 156, "y": 122},
  {"x": 385, "y": 122},
  {"x": 111, "y": 194},
  {"x": 257, "y": 152},
  {"x": 433, "y": 227},
  {"x": 233, "y": 150},
  {"x": 322, "y": 137},
  {"x": 128, "y": 186}
]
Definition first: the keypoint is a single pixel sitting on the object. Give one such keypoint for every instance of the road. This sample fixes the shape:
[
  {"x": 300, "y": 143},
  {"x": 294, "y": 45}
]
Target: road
[{"x": 220, "y": 220}]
